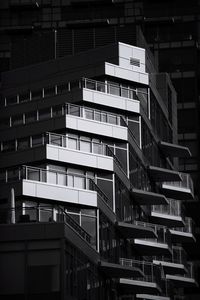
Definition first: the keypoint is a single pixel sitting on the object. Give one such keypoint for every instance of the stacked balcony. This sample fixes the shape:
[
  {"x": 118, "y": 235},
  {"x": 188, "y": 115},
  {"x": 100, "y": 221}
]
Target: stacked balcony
[
  {"x": 110, "y": 95},
  {"x": 171, "y": 215},
  {"x": 55, "y": 186},
  {"x": 160, "y": 245},
  {"x": 149, "y": 280},
  {"x": 180, "y": 190},
  {"x": 187, "y": 280},
  {"x": 184, "y": 234},
  {"x": 175, "y": 263}
]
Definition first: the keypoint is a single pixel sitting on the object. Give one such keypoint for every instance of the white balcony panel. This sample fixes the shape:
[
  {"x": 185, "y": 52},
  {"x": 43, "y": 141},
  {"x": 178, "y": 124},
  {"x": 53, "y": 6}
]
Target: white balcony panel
[
  {"x": 177, "y": 192},
  {"x": 80, "y": 158},
  {"x": 182, "y": 237},
  {"x": 182, "y": 281},
  {"x": 127, "y": 74},
  {"x": 147, "y": 247},
  {"x": 151, "y": 297},
  {"x": 59, "y": 193},
  {"x": 95, "y": 127},
  {"x": 111, "y": 100},
  {"x": 138, "y": 286},
  {"x": 171, "y": 267},
  {"x": 167, "y": 219}
]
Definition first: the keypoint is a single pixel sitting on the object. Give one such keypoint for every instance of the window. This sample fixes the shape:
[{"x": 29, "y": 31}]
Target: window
[
  {"x": 17, "y": 120},
  {"x": 23, "y": 143},
  {"x": 57, "y": 110},
  {"x": 49, "y": 91},
  {"x": 24, "y": 97},
  {"x": 11, "y": 100},
  {"x": 37, "y": 140},
  {"x": 85, "y": 145},
  {"x": 36, "y": 94},
  {"x": 8, "y": 146},
  {"x": 45, "y": 113},
  {"x": 31, "y": 117}
]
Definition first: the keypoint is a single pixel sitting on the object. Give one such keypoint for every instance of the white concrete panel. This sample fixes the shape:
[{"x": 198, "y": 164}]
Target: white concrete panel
[
  {"x": 99, "y": 128},
  {"x": 125, "y": 50},
  {"x": 111, "y": 100},
  {"x": 80, "y": 158},
  {"x": 59, "y": 193},
  {"x": 127, "y": 74}
]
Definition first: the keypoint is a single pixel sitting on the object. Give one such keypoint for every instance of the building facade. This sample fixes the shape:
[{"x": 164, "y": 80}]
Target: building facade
[{"x": 92, "y": 202}]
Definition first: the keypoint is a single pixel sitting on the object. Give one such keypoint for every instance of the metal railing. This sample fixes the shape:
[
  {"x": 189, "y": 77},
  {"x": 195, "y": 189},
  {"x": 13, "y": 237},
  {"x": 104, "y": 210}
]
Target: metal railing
[
  {"x": 54, "y": 177},
  {"x": 40, "y": 214},
  {"x": 64, "y": 141},
  {"x": 186, "y": 183},
  {"x": 163, "y": 236},
  {"x": 149, "y": 271},
  {"x": 174, "y": 208},
  {"x": 112, "y": 89},
  {"x": 178, "y": 256},
  {"x": 92, "y": 114}
]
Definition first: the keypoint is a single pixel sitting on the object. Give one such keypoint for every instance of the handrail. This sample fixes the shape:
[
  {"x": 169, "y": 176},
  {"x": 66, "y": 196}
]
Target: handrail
[
  {"x": 110, "y": 153},
  {"x": 23, "y": 173},
  {"x": 173, "y": 208},
  {"x": 186, "y": 182},
  {"x": 150, "y": 271},
  {"x": 103, "y": 87},
  {"x": 62, "y": 141},
  {"x": 94, "y": 114},
  {"x": 62, "y": 216}
]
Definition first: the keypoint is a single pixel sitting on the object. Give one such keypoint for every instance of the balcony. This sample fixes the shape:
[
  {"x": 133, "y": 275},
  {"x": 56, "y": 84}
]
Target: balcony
[
  {"x": 113, "y": 270},
  {"x": 170, "y": 215},
  {"x": 42, "y": 214},
  {"x": 110, "y": 95},
  {"x": 161, "y": 174},
  {"x": 187, "y": 280},
  {"x": 95, "y": 121},
  {"x": 173, "y": 150},
  {"x": 161, "y": 245},
  {"x": 148, "y": 198},
  {"x": 184, "y": 234},
  {"x": 79, "y": 152},
  {"x": 149, "y": 281},
  {"x": 137, "y": 230},
  {"x": 181, "y": 190},
  {"x": 55, "y": 186},
  {"x": 151, "y": 297},
  {"x": 175, "y": 263}
]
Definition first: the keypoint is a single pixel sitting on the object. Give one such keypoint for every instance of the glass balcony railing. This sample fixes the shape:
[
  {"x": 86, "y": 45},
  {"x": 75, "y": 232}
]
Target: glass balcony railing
[
  {"x": 186, "y": 183},
  {"x": 38, "y": 214},
  {"x": 52, "y": 177},
  {"x": 163, "y": 236},
  {"x": 93, "y": 114},
  {"x": 188, "y": 228},
  {"x": 174, "y": 208},
  {"x": 178, "y": 256},
  {"x": 149, "y": 271},
  {"x": 77, "y": 144},
  {"x": 112, "y": 89}
]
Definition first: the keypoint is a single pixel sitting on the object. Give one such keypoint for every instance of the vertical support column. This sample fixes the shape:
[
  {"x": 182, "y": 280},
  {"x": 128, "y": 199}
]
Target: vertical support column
[
  {"x": 98, "y": 220},
  {"x": 12, "y": 205},
  {"x": 114, "y": 208}
]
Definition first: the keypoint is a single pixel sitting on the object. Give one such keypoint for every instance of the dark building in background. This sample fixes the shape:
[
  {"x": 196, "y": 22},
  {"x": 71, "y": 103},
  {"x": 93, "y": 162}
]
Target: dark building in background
[{"x": 37, "y": 31}]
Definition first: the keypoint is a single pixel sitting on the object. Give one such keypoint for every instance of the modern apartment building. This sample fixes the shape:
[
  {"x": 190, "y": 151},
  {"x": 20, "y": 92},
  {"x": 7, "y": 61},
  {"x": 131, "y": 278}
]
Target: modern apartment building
[{"x": 91, "y": 199}]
